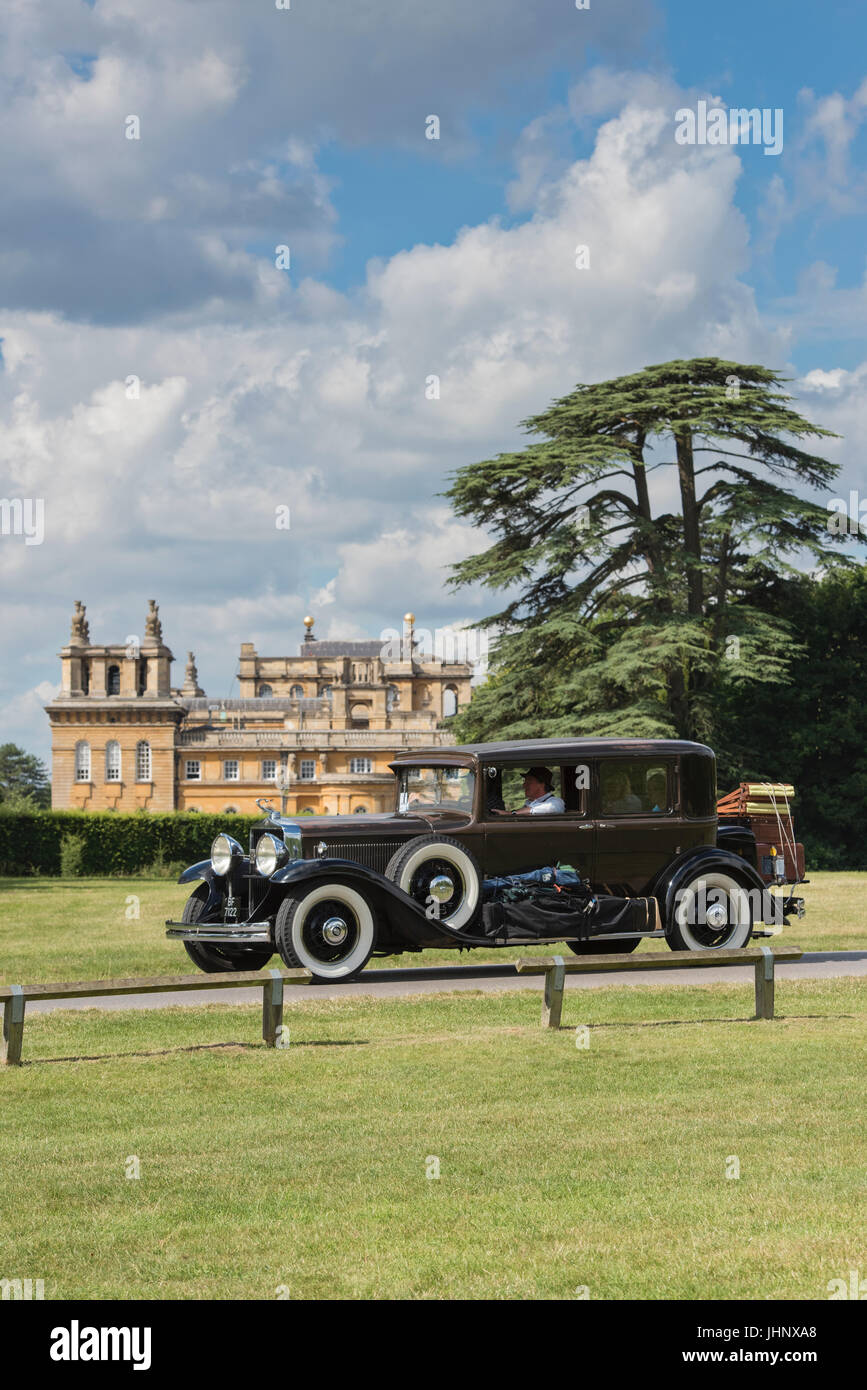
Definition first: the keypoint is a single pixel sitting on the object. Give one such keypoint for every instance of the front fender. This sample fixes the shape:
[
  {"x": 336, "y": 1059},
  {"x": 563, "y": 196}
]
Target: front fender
[
  {"x": 704, "y": 859},
  {"x": 404, "y": 916},
  {"x": 204, "y": 873},
  {"x": 200, "y": 870}
]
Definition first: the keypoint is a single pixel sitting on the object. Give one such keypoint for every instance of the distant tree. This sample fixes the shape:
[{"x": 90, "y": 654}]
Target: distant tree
[
  {"x": 811, "y": 731},
  {"x": 622, "y": 620},
  {"x": 23, "y": 778}
]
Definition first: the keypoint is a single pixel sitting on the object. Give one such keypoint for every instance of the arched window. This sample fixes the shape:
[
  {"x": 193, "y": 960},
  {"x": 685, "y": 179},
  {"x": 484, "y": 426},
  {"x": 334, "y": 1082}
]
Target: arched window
[
  {"x": 82, "y": 762},
  {"x": 296, "y": 692},
  {"x": 142, "y": 676},
  {"x": 143, "y": 761},
  {"x": 360, "y": 716},
  {"x": 265, "y": 692},
  {"x": 450, "y": 701},
  {"x": 360, "y": 811},
  {"x": 230, "y": 810},
  {"x": 85, "y": 677},
  {"x": 112, "y": 680},
  {"x": 112, "y": 761}
]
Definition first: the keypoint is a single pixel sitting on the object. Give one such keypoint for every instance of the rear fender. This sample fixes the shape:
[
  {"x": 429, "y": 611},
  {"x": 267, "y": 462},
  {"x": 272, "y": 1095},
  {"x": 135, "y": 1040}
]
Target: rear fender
[{"x": 706, "y": 859}]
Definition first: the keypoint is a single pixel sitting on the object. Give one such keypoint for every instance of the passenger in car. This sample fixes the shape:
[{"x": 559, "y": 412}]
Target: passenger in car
[{"x": 618, "y": 797}]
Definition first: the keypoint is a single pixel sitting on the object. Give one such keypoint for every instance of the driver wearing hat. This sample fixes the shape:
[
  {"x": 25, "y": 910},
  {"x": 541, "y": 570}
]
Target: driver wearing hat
[{"x": 540, "y": 799}]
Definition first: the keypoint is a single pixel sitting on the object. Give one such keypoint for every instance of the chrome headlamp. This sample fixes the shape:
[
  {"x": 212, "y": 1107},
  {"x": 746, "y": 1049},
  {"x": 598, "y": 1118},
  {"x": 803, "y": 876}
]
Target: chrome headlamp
[
  {"x": 271, "y": 855},
  {"x": 223, "y": 851}
]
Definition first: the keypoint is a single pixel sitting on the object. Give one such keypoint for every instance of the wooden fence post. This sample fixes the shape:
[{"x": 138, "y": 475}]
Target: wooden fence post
[
  {"x": 13, "y": 1027},
  {"x": 272, "y": 1008},
  {"x": 552, "y": 1000},
  {"x": 765, "y": 983}
]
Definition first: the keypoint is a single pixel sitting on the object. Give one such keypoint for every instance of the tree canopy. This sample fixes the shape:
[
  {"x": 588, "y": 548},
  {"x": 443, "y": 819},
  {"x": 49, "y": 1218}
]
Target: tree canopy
[
  {"x": 635, "y": 539},
  {"x": 23, "y": 778}
]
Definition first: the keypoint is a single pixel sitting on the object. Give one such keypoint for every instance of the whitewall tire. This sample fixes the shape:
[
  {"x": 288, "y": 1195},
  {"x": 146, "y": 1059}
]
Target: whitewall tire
[
  {"x": 442, "y": 877},
  {"x": 712, "y": 911},
  {"x": 330, "y": 930}
]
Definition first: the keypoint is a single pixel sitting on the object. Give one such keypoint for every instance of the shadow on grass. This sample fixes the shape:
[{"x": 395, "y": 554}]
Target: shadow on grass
[
  {"x": 195, "y": 1047},
  {"x": 690, "y": 1022}
]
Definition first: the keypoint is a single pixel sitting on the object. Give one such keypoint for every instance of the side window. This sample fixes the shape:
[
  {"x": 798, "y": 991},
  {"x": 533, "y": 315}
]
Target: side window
[
  {"x": 508, "y": 789},
  {"x": 634, "y": 787}
]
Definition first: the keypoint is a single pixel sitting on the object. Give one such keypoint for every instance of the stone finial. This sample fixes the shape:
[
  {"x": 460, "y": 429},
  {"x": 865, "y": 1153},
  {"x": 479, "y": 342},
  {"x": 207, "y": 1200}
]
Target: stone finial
[
  {"x": 153, "y": 626},
  {"x": 191, "y": 685},
  {"x": 79, "y": 634}
]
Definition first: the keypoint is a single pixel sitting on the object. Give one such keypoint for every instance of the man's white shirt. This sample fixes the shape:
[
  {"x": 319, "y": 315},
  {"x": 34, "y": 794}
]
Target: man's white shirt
[{"x": 549, "y": 804}]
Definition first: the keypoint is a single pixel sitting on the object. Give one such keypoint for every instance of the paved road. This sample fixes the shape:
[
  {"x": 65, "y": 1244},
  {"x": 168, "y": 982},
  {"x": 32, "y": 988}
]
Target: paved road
[{"x": 819, "y": 965}]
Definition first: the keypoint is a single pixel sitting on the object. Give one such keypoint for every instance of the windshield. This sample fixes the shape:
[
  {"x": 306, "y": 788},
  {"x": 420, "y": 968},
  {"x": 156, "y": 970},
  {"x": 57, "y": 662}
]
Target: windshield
[{"x": 434, "y": 789}]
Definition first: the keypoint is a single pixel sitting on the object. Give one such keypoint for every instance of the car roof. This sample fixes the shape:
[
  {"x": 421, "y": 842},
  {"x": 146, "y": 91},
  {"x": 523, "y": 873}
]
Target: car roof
[{"x": 543, "y": 750}]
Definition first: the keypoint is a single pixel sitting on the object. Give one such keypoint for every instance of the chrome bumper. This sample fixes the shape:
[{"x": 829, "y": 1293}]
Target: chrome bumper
[{"x": 229, "y": 933}]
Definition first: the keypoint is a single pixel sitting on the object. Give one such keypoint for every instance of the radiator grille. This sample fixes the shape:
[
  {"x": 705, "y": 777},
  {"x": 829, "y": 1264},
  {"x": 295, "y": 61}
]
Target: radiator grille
[{"x": 375, "y": 854}]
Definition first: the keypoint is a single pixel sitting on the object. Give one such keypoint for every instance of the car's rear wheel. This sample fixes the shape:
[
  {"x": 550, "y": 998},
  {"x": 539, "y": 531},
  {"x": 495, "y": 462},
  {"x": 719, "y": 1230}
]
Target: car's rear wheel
[
  {"x": 329, "y": 930},
  {"x": 600, "y": 947},
  {"x": 214, "y": 959},
  {"x": 442, "y": 876},
  {"x": 712, "y": 911}
]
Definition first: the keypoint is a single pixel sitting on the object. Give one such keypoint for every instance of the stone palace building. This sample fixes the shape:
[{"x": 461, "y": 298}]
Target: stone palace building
[{"x": 314, "y": 732}]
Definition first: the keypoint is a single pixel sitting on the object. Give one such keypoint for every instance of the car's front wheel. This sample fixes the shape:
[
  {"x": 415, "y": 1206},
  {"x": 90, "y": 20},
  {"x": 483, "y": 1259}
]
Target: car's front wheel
[
  {"x": 329, "y": 929},
  {"x": 712, "y": 911},
  {"x": 215, "y": 959}
]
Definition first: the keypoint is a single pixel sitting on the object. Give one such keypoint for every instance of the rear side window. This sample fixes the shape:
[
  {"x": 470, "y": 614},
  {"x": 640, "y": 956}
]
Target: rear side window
[
  {"x": 698, "y": 785},
  {"x": 634, "y": 787}
]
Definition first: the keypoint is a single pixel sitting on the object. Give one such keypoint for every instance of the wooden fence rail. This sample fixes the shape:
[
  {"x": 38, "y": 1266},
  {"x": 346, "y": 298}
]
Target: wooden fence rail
[
  {"x": 555, "y": 969},
  {"x": 14, "y": 998}
]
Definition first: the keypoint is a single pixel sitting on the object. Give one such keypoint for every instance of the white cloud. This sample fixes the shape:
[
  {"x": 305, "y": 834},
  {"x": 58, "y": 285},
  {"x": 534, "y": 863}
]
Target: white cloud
[{"x": 323, "y": 407}]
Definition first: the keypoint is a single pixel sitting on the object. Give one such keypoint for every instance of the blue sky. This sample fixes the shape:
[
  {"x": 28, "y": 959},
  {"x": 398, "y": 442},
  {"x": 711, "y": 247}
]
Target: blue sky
[{"x": 154, "y": 260}]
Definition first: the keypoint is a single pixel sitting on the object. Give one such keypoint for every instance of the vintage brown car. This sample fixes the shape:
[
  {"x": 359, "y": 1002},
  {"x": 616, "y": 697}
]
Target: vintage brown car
[{"x": 622, "y": 841}]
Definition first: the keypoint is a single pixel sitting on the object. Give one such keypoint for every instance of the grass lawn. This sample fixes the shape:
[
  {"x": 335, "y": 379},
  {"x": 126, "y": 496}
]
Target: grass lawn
[
  {"x": 79, "y": 929},
  {"x": 559, "y": 1168}
]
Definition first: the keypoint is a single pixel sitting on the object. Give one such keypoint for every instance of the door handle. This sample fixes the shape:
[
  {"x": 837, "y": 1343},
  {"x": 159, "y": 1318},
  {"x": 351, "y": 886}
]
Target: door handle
[
  {"x": 585, "y": 827},
  {"x": 605, "y": 825}
]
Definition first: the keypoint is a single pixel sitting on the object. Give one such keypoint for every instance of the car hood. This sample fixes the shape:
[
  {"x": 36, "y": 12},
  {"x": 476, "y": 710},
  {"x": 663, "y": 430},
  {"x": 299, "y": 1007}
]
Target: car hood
[{"x": 387, "y": 825}]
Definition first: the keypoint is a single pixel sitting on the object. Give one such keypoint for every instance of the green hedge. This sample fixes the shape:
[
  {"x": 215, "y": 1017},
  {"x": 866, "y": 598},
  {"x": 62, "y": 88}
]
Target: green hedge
[{"x": 111, "y": 842}]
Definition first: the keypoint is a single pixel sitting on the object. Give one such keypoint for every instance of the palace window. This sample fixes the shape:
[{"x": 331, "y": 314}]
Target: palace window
[
  {"x": 450, "y": 701},
  {"x": 327, "y": 692},
  {"x": 112, "y": 680},
  {"x": 360, "y": 764},
  {"x": 269, "y": 769},
  {"x": 193, "y": 770},
  {"x": 143, "y": 761},
  {"x": 82, "y": 762},
  {"x": 265, "y": 692},
  {"x": 392, "y": 698},
  {"x": 360, "y": 811},
  {"x": 112, "y": 761},
  {"x": 296, "y": 692},
  {"x": 85, "y": 677},
  {"x": 308, "y": 769},
  {"x": 142, "y": 676},
  {"x": 231, "y": 770}
]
